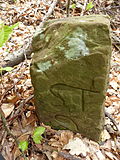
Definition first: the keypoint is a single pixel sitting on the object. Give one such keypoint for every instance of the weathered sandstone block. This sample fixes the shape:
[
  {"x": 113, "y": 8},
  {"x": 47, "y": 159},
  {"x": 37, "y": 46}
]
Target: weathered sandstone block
[{"x": 69, "y": 73}]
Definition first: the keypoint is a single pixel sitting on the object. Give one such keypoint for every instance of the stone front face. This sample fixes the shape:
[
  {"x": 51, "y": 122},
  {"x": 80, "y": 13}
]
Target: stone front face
[{"x": 69, "y": 73}]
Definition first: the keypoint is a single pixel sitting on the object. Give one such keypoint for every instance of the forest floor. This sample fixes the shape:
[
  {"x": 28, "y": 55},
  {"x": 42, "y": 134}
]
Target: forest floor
[{"x": 16, "y": 91}]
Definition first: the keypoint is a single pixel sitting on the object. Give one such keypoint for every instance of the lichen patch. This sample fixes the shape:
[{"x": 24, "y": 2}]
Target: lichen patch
[
  {"x": 43, "y": 66},
  {"x": 76, "y": 44}
]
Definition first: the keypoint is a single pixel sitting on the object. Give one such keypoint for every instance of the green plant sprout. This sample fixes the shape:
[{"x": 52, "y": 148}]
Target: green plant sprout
[
  {"x": 7, "y": 69},
  {"x": 89, "y": 6},
  {"x": 5, "y": 32},
  {"x": 23, "y": 145},
  {"x": 73, "y": 6},
  {"x": 37, "y": 138}
]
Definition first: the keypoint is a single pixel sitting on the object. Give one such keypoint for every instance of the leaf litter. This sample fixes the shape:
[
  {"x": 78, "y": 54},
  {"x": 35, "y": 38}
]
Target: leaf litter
[{"x": 16, "y": 94}]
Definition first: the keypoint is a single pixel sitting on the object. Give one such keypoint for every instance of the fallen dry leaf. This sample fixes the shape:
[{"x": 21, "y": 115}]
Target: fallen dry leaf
[
  {"x": 77, "y": 147},
  {"x": 65, "y": 136},
  {"x": 13, "y": 98},
  {"x": 54, "y": 154},
  {"x": 111, "y": 156},
  {"x": 105, "y": 135},
  {"x": 100, "y": 155},
  {"x": 7, "y": 108},
  {"x": 107, "y": 145}
]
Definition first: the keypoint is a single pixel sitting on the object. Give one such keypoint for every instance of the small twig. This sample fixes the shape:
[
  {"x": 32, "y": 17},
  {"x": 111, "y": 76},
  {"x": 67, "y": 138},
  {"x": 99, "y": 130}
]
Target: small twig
[
  {"x": 68, "y": 8},
  {"x": 67, "y": 156},
  {"x": 110, "y": 7},
  {"x": 50, "y": 10},
  {"x": 115, "y": 45},
  {"x": 84, "y": 7},
  {"x": 111, "y": 118},
  {"x": 2, "y": 139},
  {"x": 6, "y": 128},
  {"x": 9, "y": 132}
]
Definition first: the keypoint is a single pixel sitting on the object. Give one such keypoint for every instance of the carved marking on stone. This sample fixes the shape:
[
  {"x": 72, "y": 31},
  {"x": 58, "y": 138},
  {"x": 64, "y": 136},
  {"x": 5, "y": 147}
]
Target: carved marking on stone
[
  {"x": 83, "y": 108},
  {"x": 66, "y": 122},
  {"x": 60, "y": 90}
]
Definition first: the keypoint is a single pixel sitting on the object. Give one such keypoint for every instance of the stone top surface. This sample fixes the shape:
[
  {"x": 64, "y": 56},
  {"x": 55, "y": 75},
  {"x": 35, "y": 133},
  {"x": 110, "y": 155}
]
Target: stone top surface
[
  {"x": 84, "y": 26},
  {"x": 84, "y": 19}
]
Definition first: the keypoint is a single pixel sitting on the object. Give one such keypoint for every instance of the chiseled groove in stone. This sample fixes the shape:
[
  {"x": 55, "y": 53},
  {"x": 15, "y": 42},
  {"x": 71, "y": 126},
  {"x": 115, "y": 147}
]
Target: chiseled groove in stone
[
  {"x": 63, "y": 124},
  {"x": 45, "y": 74},
  {"x": 57, "y": 95},
  {"x": 83, "y": 108},
  {"x": 62, "y": 100},
  {"x": 66, "y": 85}
]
